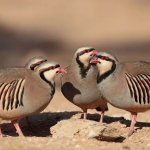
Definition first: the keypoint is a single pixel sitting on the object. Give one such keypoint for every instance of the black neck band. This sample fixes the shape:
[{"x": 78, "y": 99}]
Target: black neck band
[
  {"x": 83, "y": 70},
  {"x": 51, "y": 85},
  {"x": 100, "y": 78}
]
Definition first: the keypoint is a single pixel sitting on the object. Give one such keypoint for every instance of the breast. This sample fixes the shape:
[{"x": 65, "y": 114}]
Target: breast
[
  {"x": 80, "y": 90},
  {"x": 37, "y": 95}
]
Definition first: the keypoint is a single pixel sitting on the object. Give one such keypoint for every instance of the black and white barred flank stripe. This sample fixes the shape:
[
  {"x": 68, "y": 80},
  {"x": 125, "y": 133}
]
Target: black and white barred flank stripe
[
  {"x": 139, "y": 87},
  {"x": 11, "y": 94}
]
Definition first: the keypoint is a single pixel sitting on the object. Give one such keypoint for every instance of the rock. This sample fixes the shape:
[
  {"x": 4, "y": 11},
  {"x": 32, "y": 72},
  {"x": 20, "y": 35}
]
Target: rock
[
  {"x": 127, "y": 116},
  {"x": 117, "y": 115},
  {"x": 78, "y": 147},
  {"x": 147, "y": 147},
  {"x": 92, "y": 134},
  {"x": 82, "y": 128}
]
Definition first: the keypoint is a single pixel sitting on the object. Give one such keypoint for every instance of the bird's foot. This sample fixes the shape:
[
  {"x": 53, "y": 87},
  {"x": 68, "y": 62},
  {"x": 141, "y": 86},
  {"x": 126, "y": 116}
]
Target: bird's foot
[
  {"x": 85, "y": 115},
  {"x": 102, "y": 118},
  {"x": 131, "y": 131},
  {"x": 133, "y": 122},
  {"x": 101, "y": 121},
  {"x": 18, "y": 129},
  {"x": 1, "y": 134}
]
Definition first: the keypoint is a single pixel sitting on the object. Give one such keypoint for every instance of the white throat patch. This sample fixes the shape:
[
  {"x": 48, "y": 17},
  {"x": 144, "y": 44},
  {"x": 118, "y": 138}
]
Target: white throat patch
[
  {"x": 85, "y": 58},
  {"x": 104, "y": 66}
]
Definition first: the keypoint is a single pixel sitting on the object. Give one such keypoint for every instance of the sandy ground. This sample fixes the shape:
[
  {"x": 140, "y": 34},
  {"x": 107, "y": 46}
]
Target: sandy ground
[{"x": 60, "y": 127}]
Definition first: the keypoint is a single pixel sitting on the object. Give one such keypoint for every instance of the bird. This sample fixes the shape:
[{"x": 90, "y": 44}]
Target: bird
[
  {"x": 79, "y": 85},
  {"x": 24, "y": 92},
  {"x": 125, "y": 85}
]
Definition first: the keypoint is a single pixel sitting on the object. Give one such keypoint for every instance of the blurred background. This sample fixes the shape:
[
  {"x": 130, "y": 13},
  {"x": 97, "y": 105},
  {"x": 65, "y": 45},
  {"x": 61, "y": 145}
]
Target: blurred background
[{"x": 56, "y": 28}]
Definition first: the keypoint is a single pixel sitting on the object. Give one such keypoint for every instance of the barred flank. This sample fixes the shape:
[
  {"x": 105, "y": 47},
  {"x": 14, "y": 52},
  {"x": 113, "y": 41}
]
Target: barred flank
[
  {"x": 11, "y": 94},
  {"x": 139, "y": 87}
]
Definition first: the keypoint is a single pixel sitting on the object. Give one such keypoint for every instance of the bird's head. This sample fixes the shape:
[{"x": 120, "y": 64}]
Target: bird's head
[
  {"x": 35, "y": 62},
  {"x": 83, "y": 55},
  {"x": 49, "y": 70},
  {"x": 104, "y": 62}
]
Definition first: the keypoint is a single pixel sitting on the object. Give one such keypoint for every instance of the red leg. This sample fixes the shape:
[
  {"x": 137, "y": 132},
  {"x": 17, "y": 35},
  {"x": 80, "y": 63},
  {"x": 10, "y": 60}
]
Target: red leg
[
  {"x": 102, "y": 117},
  {"x": 133, "y": 122},
  {"x": 17, "y": 127},
  {"x": 1, "y": 135},
  {"x": 85, "y": 114}
]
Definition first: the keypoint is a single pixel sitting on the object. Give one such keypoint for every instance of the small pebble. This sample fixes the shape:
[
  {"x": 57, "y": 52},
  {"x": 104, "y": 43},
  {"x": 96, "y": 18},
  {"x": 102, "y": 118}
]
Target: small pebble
[
  {"x": 77, "y": 146},
  {"x": 92, "y": 134},
  {"x": 127, "y": 116}
]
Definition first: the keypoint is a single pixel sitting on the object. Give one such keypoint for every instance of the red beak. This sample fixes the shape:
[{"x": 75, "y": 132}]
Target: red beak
[
  {"x": 94, "y": 61},
  {"x": 62, "y": 70}
]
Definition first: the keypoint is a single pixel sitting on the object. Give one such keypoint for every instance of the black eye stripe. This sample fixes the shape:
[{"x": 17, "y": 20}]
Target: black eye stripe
[
  {"x": 32, "y": 67},
  {"x": 54, "y": 67},
  {"x": 85, "y": 51},
  {"x": 105, "y": 58},
  {"x": 49, "y": 68}
]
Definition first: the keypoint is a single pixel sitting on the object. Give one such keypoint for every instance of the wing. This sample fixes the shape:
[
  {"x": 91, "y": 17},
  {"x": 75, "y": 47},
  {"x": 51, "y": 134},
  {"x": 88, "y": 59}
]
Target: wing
[
  {"x": 12, "y": 83},
  {"x": 138, "y": 80},
  {"x": 139, "y": 87},
  {"x": 10, "y": 74},
  {"x": 135, "y": 68}
]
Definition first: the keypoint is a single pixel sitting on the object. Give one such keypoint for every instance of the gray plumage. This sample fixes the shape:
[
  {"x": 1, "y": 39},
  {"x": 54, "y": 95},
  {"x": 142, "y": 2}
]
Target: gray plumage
[{"x": 79, "y": 84}]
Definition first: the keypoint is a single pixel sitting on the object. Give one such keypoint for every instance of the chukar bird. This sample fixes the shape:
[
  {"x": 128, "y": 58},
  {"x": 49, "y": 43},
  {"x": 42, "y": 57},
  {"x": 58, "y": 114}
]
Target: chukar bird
[
  {"x": 79, "y": 84},
  {"x": 124, "y": 85},
  {"x": 24, "y": 92}
]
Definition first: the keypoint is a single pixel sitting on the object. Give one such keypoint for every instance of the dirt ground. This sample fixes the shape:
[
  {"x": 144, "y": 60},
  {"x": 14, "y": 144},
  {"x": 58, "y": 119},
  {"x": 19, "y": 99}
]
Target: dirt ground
[{"x": 60, "y": 127}]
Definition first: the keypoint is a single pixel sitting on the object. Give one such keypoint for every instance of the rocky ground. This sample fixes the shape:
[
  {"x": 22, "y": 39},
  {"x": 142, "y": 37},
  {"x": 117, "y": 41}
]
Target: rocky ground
[{"x": 60, "y": 127}]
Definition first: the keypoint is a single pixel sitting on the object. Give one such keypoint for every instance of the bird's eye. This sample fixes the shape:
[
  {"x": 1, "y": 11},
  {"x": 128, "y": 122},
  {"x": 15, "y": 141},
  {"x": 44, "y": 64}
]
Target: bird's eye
[
  {"x": 83, "y": 52},
  {"x": 52, "y": 67},
  {"x": 57, "y": 66},
  {"x": 86, "y": 51},
  {"x": 104, "y": 58}
]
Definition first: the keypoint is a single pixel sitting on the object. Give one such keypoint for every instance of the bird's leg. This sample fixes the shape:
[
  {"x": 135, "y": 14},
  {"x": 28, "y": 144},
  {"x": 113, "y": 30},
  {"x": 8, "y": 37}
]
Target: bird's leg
[
  {"x": 1, "y": 135},
  {"x": 84, "y": 114},
  {"x": 102, "y": 117},
  {"x": 133, "y": 122},
  {"x": 17, "y": 127}
]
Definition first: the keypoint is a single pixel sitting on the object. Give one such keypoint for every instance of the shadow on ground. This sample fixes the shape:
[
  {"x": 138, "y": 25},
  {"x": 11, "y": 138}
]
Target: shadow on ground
[
  {"x": 139, "y": 125},
  {"x": 107, "y": 119},
  {"x": 37, "y": 125}
]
